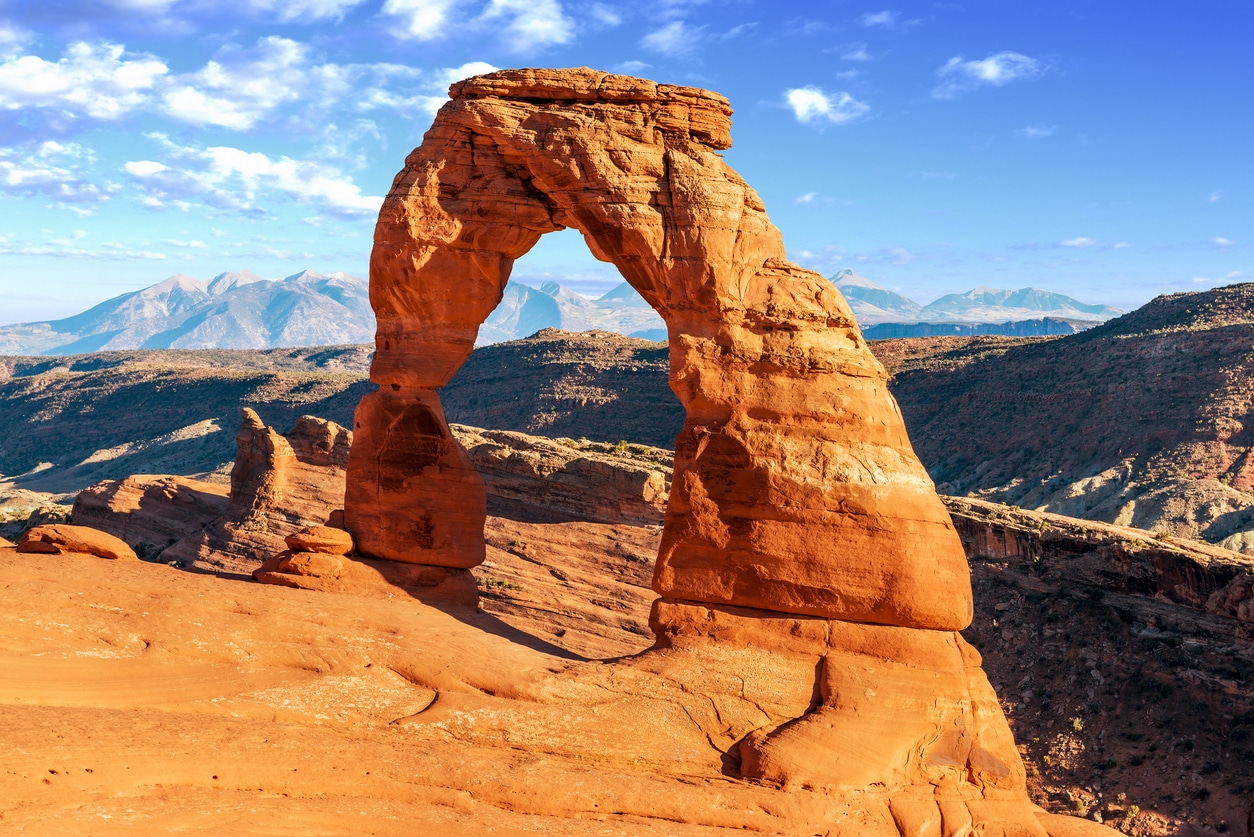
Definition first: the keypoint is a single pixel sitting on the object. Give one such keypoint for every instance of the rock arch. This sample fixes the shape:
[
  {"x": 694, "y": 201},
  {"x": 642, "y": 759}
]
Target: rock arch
[{"x": 796, "y": 489}]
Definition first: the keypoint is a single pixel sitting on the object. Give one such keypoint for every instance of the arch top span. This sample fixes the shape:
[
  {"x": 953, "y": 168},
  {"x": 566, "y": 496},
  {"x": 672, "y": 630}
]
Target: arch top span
[{"x": 795, "y": 489}]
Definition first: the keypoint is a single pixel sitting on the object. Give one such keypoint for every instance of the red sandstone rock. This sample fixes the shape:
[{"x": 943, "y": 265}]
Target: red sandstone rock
[
  {"x": 545, "y": 479},
  {"x": 324, "y": 539},
  {"x": 152, "y": 511},
  {"x": 804, "y": 547},
  {"x": 795, "y": 486},
  {"x": 62, "y": 537},
  {"x": 279, "y": 485}
]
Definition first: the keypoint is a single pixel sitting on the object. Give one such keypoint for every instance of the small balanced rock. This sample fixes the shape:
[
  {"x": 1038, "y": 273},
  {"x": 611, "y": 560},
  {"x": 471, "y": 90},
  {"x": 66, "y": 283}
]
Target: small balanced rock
[
  {"x": 57, "y": 538},
  {"x": 322, "y": 539},
  {"x": 315, "y": 551}
]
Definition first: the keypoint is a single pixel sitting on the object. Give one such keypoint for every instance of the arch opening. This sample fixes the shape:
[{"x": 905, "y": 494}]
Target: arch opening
[{"x": 795, "y": 488}]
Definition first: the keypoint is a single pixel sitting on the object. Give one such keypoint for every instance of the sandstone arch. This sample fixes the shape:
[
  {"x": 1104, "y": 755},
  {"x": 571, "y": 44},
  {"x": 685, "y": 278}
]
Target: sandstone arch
[{"x": 796, "y": 489}]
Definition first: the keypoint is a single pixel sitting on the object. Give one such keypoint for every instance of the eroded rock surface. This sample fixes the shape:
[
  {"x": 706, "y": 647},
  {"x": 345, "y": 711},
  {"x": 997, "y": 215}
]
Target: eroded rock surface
[
  {"x": 793, "y": 466},
  {"x": 151, "y": 512},
  {"x": 279, "y": 485},
  {"x": 799, "y": 518},
  {"x": 550, "y": 480}
]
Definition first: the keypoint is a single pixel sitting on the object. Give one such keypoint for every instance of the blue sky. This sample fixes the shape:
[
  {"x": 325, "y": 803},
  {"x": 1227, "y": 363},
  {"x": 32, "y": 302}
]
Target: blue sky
[{"x": 1101, "y": 150}]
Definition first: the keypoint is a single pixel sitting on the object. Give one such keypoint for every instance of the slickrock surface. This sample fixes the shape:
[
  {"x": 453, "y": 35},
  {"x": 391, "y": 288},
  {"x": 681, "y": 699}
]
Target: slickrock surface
[
  {"x": 59, "y": 538},
  {"x": 793, "y": 464},
  {"x": 150, "y": 512}
]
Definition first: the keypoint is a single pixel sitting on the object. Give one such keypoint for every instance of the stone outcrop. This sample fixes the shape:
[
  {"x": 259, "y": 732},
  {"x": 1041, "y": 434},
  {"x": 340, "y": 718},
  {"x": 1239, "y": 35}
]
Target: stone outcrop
[
  {"x": 531, "y": 477},
  {"x": 150, "y": 512},
  {"x": 58, "y": 538},
  {"x": 799, "y": 519},
  {"x": 1103, "y": 556},
  {"x": 279, "y": 485}
]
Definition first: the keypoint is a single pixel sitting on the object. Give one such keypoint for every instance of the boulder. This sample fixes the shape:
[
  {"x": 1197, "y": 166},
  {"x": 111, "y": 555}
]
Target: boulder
[
  {"x": 322, "y": 539},
  {"x": 59, "y": 538}
]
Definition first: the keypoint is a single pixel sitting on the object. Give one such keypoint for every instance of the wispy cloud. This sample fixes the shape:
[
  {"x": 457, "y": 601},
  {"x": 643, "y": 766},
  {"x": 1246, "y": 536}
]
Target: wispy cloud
[
  {"x": 53, "y": 170},
  {"x": 239, "y": 89},
  {"x": 524, "y": 25},
  {"x": 1216, "y": 196},
  {"x": 959, "y": 76},
  {"x": 884, "y": 20},
  {"x": 245, "y": 86},
  {"x": 1038, "y": 131},
  {"x": 1220, "y": 241},
  {"x": 631, "y": 67},
  {"x": 62, "y": 249},
  {"x": 808, "y": 197},
  {"x": 1081, "y": 242},
  {"x": 812, "y": 105},
  {"x": 676, "y": 39},
  {"x": 1230, "y": 276},
  {"x": 854, "y": 52}
]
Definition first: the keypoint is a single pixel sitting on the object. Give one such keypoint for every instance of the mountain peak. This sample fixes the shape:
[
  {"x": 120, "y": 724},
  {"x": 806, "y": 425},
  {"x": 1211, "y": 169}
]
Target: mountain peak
[{"x": 224, "y": 282}]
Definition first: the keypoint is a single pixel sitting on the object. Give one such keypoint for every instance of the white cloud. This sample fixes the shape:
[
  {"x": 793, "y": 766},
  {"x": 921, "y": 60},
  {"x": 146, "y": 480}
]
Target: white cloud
[
  {"x": 12, "y": 39},
  {"x": 1120, "y": 245},
  {"x": 632, "y": 67},
  {"x": 808, "y": 197},
  {"x": 53, "y": 170},
  {"x": 432, "y": 94},
  {"x": 304, "y": 10},
  {"x": 1038, "y": 131},
  {"x": 231, "y": 178},
  {"x": 90, "y": 80},
  {"x": 855, "y": 52},
  {"x": 66, "y": 250},
  {"x": 811, "y": 104},
  {"x": 424, "y": 20},
  {"x": 1080, "y": 242},
  {"x": 675, "y": 39},
  {"x": 958, "y": 76},
  {"x": 247, "y": 85},
  {"x": 530, "y": 24},
  {"x": 525, "y": 25},
  {"x": 1222, "y": 242},
  {"x": 1216, "y": 195},
  {"x": 884, "y": 20}
]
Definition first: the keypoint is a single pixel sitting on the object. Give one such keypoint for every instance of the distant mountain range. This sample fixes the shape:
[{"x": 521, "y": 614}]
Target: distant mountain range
[
  {"x": 244, "y": 311},
  {"x": 232, "y": 311},
  {"x": 874, "y": 305}
]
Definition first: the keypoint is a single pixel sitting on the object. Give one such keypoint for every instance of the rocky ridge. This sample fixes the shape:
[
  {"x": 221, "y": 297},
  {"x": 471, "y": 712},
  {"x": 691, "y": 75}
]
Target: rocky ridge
[{"x": 1142, "y": 421}]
